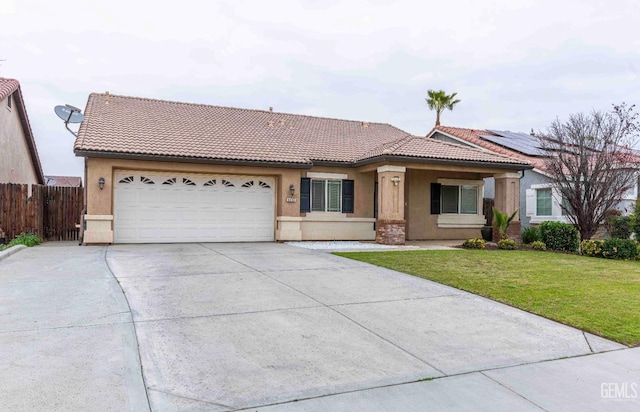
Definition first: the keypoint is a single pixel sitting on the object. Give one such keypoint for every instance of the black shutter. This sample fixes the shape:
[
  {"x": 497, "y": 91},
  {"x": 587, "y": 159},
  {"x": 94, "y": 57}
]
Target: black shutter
[
  {"x": 305, "y": 195},
  {"x": 436, "y": 189},
  {"x": 347, "y": 196}
]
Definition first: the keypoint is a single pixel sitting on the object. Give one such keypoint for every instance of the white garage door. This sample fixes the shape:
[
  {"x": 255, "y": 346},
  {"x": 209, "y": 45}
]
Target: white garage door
[{"x": 175, "y": 207}]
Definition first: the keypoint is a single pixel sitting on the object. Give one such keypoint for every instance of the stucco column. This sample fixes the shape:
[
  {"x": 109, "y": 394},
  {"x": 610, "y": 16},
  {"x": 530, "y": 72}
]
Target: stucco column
[
  {"x": 507, "y": 200},
  {"x": 390, "y": 226}
]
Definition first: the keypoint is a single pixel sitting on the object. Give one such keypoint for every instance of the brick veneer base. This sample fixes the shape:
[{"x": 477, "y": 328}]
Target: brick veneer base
[
  {"x": 513, "y": 232},
  {"x": 390, "y": 232}
]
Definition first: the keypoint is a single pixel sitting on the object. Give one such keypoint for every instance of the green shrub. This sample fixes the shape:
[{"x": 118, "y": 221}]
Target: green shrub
[
  {"x": 619, "y": 227},
  {"x": 559, "y": 236},
  {"x": 474, "y": 244},
  {"x": 592, "y": 248},
  {"x": 27, "y": 239},
  {"x": 530, "y": 234},
  {"x": 619, "y": 249},
  {"x": 538, "y": 245},
  {"x": 635, "y": 218},
  {"x": 507, "y": 244}
]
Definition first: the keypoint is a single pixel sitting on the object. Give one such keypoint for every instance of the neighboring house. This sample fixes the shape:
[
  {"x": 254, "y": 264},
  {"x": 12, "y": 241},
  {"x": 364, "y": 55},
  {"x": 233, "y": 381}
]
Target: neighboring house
[
  {"x": 19, "y": 161},
  {"x": 161, "y": 171},
  {"x": 63, "y": 181},
  {"x": 539, "y": 200}
]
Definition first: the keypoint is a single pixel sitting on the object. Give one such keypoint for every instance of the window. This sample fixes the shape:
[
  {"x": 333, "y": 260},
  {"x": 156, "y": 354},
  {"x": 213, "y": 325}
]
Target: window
[
  {"x": 543, "y": 202},
  {"x": 461, "y": 199},
  {"x": 326, "y": 195},
  {"x": 9, "y": 102}
]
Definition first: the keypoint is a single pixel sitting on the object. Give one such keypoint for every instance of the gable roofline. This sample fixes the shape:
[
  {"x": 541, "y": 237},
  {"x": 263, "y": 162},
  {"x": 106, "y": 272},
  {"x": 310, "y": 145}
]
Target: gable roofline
[
  {"x": 11, "y": 87},
  {"x": 458, "y": 139}
]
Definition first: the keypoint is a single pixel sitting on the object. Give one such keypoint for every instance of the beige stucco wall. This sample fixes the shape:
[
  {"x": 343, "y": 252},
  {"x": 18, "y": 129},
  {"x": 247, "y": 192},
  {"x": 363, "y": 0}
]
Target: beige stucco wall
[
  {"x": 15, "y": 160},
  {"x": 421, "y": 224},
  {"x": 303, "y": 226},
  {"x": 290, "y": 224}
]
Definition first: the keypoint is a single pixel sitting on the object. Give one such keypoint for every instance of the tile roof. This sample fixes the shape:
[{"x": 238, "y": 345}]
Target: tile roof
[
  {"x": 7, "y": 86},
  {"x": 473, "y": 136},
  {"x": 140, "y": 126},
  {"x": 66, "y": 181},
  {"x": 12, "y": 86}
]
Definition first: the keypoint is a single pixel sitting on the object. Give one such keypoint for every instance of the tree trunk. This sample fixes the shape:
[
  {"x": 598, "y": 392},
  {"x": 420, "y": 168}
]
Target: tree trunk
[{"x": 437, "y": 118}]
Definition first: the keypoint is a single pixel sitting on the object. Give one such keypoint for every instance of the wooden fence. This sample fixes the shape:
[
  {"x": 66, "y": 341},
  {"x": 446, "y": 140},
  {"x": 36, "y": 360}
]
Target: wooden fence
[{"x": 50, "y": 212}]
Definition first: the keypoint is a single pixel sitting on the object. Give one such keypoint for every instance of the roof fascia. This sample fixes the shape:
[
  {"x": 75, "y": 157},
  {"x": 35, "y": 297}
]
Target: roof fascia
[
  {"x": 185, "y": 159},
  {"x": 409, "y": 159},
  {"x": 31, "y": 143}
]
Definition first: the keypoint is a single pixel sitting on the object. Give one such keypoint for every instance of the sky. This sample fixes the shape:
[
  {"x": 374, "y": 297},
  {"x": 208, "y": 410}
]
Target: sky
[{"x": 515, "y": 64}]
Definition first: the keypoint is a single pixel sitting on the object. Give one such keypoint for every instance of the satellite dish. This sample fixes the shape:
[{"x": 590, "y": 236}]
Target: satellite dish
[{"x": 69, "y": 114}]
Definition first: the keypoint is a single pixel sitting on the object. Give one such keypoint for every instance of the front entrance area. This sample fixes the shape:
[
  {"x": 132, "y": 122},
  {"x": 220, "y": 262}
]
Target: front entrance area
[{"x": 153, "y": 207}]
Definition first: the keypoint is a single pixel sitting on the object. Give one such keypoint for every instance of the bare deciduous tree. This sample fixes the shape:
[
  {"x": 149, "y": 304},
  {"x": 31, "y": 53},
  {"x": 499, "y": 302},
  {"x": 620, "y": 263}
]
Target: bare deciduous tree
[{"x": 591, "y": 164}]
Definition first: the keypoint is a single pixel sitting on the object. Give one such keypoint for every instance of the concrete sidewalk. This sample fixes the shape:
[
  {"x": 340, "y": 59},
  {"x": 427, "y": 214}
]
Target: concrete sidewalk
[
  {"x": 67, "y": 340},
  {"x": 274, "y": 327}
]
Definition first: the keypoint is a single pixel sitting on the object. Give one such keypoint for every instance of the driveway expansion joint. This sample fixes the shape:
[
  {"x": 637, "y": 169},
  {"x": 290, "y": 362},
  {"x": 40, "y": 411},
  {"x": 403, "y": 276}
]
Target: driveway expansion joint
[
  {"x": 133, "y": 324},
  {"x": 512, "y": 391},
  {"x": 341, "y": 314}
]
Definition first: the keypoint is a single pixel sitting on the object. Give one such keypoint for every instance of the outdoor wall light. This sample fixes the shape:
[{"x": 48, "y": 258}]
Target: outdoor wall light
[
  {"x": 292, "y": 190},
  {"x": 395, "y": 180},
  {"x": 101, "y": 183}
]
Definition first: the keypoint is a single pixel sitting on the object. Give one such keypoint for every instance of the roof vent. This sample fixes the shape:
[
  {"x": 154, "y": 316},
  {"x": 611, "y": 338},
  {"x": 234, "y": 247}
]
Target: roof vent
[
  {"x": 270, "y": 108},
  {"x": 365, "y": 124},
  {"x": 281, "y": 122},
  {"x": 387, "y": 152},
  {"x": 106, "y": 97},
  {"x": 270, "y": 123}
]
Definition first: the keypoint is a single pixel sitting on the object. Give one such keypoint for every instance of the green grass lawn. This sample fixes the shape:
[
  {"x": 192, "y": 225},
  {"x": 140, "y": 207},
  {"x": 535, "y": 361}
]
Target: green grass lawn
[{"x": 599, "y": 296}]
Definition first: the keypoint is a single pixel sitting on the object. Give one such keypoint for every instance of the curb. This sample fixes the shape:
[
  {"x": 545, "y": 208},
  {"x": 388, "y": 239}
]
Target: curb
[{"x": 13, "y": 249}]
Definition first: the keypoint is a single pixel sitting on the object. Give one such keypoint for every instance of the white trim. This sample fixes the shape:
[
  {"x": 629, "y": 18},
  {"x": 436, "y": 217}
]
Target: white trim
[
  {"x": 507, "y": 176},
  {"x": 454, "y": 220},
  {"x": 459, "y": 182},
  {"x": 458, "y": 139},
  {"x": 330, "y": 176},
  {"x": 556, "y": 209},
  {"x": 390, "y": 168},
  {"x": 325, "y": 217}
]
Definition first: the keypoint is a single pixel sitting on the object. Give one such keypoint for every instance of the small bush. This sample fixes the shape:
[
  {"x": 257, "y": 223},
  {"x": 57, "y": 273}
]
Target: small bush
[
  {"x": 507, "y": 244},
  {"x": 538, "y": 245},
  {"x": 559, "y": 236},
  {"x": 635, "y": 217},
  {"x": 592, "y": 248},
  {"x": 530, "y": 234},
  {"x": 619, "y": 249},
  {"x": 474, "y": 244},
  {"x": 619, "y": 227},
  {"x": 27, "y": 239}
]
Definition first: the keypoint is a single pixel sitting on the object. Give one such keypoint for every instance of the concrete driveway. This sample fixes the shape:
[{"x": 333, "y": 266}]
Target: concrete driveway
[{"x": 234, "y": 326}]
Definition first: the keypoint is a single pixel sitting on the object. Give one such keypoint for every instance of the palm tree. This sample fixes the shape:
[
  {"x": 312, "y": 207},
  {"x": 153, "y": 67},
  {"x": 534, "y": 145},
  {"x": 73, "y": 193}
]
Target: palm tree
[
  {"x": 438, "y": 100},
  {"x": 501, "y": 221}
]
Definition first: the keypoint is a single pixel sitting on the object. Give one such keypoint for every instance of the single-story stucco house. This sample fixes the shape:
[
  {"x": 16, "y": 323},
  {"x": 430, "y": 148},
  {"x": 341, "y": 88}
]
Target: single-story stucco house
[
  {"x": 19, "y": 160},
  {"x": 539, "y": 200},
  {"x": 163, "y": 171}
]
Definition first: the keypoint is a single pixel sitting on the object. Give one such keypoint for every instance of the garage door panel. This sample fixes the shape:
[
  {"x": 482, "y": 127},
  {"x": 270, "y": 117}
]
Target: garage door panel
[{"x": 186, "y": 210}]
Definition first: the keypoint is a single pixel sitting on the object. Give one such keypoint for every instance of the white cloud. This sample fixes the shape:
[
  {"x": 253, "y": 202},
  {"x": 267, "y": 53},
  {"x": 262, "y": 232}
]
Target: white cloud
[{"x": 516, "y": 64}]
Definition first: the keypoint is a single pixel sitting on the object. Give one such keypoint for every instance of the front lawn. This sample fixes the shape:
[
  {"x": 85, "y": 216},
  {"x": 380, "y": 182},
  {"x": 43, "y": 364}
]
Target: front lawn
[{"x": 599, "y": 296}]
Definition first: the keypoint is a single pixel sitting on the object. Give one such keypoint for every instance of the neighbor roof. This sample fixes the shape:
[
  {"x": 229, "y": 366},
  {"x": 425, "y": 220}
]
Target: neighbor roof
[
  {"x": 142, "y": 128},
  {"x": 12, "y": 87},
  {"x": 473, "y": 136},
  {"x": 65, "y": 181}
]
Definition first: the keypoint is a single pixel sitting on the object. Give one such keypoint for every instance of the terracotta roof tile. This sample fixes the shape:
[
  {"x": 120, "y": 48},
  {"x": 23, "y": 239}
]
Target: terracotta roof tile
[
  {"x": 473, "y": 136},
  {"x": 65, "y": 181},
  {"x": 7, "y": 86},
  {"x": 120, "y": 124}
]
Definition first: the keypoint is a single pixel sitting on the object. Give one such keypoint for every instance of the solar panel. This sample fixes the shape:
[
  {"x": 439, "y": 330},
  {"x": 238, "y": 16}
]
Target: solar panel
[{"x": 520, "y": 142}]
